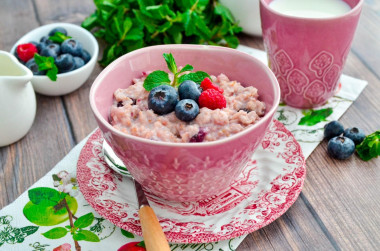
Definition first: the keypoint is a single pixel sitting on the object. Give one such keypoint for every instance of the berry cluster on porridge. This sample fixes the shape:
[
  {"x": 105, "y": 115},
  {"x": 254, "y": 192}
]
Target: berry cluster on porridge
[{"x": 185, "y": 106}]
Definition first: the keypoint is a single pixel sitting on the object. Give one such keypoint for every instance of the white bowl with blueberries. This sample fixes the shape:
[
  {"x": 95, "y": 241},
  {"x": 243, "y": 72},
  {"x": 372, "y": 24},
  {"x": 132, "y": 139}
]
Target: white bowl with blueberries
[{"x": 74, "y": 50}]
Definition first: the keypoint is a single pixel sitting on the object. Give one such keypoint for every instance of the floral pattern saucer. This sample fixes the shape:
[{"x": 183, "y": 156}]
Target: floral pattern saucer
[{"x": 267, "y": 187}]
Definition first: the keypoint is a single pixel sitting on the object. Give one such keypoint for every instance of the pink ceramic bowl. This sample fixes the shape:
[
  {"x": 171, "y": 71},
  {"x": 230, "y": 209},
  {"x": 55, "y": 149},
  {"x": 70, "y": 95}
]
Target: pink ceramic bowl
[{"x": 185, "y": 171}]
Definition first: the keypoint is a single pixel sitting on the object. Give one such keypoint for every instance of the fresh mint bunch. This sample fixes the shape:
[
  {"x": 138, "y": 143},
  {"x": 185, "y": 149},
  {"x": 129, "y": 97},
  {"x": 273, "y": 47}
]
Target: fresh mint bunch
[
  {"x": 46, "y": 64},
  {"x": 158, "y": 78},
  {"x": 370, "y": 147},
  {"x": 126, "y": 25}
]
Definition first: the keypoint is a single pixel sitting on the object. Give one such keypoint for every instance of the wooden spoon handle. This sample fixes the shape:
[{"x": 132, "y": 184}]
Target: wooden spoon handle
[{"x": 153, "y": 235}]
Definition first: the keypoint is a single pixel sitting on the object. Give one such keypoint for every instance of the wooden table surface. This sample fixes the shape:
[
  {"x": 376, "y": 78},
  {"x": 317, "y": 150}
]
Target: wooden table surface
[{"x": 339, "y": 207}]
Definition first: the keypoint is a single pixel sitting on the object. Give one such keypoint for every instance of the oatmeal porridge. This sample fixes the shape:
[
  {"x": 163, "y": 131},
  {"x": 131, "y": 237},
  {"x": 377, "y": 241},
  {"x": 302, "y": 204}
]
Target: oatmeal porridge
[{"x": 130, "y": 114}]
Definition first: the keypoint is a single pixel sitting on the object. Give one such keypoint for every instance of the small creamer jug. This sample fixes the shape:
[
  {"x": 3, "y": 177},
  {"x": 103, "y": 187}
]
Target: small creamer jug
[{"x": 17, "y": 99}]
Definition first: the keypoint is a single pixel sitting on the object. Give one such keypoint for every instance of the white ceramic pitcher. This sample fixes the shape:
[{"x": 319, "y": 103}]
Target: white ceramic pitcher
[{"x": 17, "y": 99}]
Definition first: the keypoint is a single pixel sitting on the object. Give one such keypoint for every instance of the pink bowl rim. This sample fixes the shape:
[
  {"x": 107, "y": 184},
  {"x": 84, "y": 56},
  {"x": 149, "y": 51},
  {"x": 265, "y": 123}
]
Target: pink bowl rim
[
  {"x": 268, "y": 114},
  {"x": 353, "y": 10}
]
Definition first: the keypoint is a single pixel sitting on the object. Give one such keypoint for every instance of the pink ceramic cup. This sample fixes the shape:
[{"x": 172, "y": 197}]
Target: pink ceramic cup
[
  {"x": 307, "y": 55},
  {"x": 185, "y": 171}
]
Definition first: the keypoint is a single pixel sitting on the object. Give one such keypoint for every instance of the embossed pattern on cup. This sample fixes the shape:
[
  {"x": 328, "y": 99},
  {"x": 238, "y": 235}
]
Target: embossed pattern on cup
[{"x": 307, "y": 55}]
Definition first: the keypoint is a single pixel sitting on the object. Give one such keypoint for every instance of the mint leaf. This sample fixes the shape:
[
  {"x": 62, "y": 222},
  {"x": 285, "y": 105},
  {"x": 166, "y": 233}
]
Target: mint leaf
[
  {"x": 52, "y": 73},
  {"x": 46, "y": 64},
  {"x": 155, "y": 79},
  {"x": 187, "y": 68},
  {"x": 370, "y": 146},
  {"x": 58, "y": 37},
  {"x": 84, "y": 221},
  {"x": 172, "y": 66},
  {"x": 197, "y": 77},
  {"x": 55, "y": 233},
  {"x": 313, "y": 117}
]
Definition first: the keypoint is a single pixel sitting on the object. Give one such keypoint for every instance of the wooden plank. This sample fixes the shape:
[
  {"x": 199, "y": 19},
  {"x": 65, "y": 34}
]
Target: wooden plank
[
  {"x": 49, "y": 139},
  {"x": 366, "y": 44},
  {"x": 77, "y": 104},
  {"x": 297, "y": 229},
  {"x": 345, "y": 193}
]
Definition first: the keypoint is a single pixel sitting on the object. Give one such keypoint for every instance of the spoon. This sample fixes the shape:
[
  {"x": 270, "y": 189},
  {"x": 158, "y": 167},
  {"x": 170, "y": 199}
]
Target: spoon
[{"x": 153, "y": 235}]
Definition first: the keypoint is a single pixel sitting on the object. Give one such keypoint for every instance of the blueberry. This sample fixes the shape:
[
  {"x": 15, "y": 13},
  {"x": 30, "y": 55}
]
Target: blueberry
[
  {"x": 332, "y": 129},
  {"x": 85, "y": 56},
  {"x": 65, "y": 63},
  {"x": 199, "y": 137},
  {"x": 51, "y": 50},
  {"x": 72, "y": 46},
  {"x": 162, "y": 99},
  {"x": 78, "y": 62},
  {"x": 186, "y": 110},
  {"x": 58, "y": 29},
  {"x": 355, "y": 134},
  {"x": 340, "y": 147},
  {"x": 45, "y": 40},
  {"x": 189, "y": 90},
  {"x": 31, "y": 64}
]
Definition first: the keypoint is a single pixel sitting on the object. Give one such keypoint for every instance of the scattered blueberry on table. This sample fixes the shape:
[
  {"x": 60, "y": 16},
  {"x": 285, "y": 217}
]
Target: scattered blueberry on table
[
  {"x": 342, "y": 142},
  {"x": 355, "y": 134},
  {"x": 333, "y": 129},
  {"x": 340, "y": 147}
]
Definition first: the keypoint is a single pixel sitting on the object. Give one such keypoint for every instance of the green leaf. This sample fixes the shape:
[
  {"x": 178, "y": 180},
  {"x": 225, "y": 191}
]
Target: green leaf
[
  {"x": 29, "y": 230},
  {"x": 46, "y": 63},
  {"x": 90, "y": 21},
  {"x": 144, "y": 19},
  {"x": 189, "y": 23},
  {"x": 84, "y": 221},
  {"x": 187, "y": 68},
  {"x": 135, "y": 34},
  {"x": 224, "y": 12},
  {"x": 155, "y": 79},
  {"x": 52, "y": 73},
  {"x": 313, "y": 117},
  {"x": 370, "y": 146},
  {"x": 232, "y": 41},
  {"x": 56, "y": 178},
  {"x": 127, "y": 234},
  {"x": 86, "y": 235},
  {"x": 58, "y": 37},
  {"x": 44, "y": 196},
  {"x": 197, "y": 77},
  {"x": 141, "y": 244},
  {"x": 55, "y": 233},
  {"x": 172, "y": 66}
]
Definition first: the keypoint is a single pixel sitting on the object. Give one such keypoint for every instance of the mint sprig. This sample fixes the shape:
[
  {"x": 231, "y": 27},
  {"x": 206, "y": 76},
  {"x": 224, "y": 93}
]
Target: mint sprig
[
  {"x": 370, "y": 146},
  {"x": 58, "y": 37},
  {"x": 157, "y": 78},
  {"x": 46, "y": 64}
]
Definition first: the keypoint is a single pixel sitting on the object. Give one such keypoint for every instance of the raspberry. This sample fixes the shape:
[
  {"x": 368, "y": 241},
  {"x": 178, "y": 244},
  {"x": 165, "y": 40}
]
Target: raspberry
[
  {"x": 26, "y": 51},
  {"x": 207, "y": 84},
  {"x": 212, "y": 99}
]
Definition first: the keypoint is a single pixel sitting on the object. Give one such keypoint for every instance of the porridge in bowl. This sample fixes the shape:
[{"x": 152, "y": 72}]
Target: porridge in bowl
[{"x": 232, "y": 109}]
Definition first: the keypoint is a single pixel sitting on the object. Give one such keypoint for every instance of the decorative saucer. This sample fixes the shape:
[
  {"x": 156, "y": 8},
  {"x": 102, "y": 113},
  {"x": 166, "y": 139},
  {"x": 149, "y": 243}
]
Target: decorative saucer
[{"x": 267, "y": 187}]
